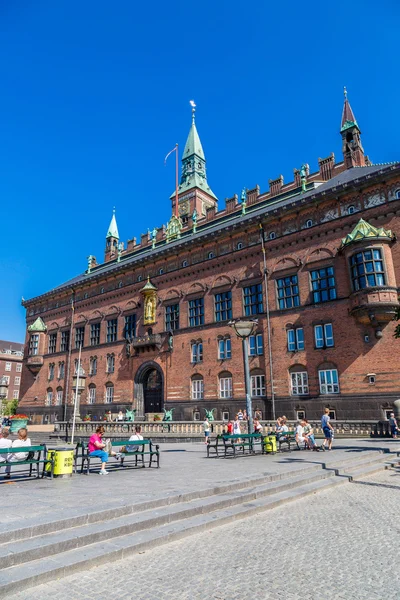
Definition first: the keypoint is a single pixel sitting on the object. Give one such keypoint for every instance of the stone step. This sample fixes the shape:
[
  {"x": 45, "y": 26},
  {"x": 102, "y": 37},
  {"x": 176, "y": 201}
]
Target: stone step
[
  {"x": 365, "y": 471},
  {"x": 16, "y": 578},
  {"x": 14, "y": 553},
  {"x": 45, "y": 526},
  {"x": 364, "y": 461}
]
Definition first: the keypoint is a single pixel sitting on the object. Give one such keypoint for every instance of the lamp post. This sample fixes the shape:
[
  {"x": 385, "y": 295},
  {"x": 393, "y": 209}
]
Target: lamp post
[
  {"x": 243, "y": 329},
  {"x": 3, "y": 392}
]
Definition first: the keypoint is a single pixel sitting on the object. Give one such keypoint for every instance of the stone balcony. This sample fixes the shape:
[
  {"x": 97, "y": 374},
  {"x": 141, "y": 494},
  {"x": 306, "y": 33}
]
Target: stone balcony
[
  {"x": 374, "y": 305},
  {"x": 34, "y": 363},
  {"x": 144, "y": 342}
]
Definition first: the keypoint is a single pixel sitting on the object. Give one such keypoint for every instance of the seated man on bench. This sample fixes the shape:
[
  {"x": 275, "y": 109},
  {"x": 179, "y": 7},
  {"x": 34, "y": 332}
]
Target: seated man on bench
[
  {"x": 21, "y": 442},
  {"x": 136, "y": 436}
]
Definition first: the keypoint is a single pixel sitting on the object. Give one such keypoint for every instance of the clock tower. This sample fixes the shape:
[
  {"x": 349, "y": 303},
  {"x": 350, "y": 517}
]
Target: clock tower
[{"x": 193, "y": 190}]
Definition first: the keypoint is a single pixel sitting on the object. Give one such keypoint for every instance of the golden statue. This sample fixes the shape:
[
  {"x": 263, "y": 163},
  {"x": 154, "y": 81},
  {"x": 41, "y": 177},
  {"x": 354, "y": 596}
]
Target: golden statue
[{"x": 150, "y": 302}]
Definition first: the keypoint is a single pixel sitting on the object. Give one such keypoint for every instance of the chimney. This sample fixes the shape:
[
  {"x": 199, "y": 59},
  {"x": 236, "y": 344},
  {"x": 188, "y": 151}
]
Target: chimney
[
  {"x": 326, "y": 166},
  {"x": 275, "y": 185}
]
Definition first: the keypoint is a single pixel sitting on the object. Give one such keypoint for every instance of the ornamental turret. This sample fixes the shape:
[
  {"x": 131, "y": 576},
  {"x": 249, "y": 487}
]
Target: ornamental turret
[
  {"x": 112, "y": 239},
  {"x": 353, "y": 152}
]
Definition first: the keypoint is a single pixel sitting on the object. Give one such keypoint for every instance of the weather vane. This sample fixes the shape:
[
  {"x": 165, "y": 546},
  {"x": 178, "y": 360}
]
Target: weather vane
[{"x": 193, "y": 105}]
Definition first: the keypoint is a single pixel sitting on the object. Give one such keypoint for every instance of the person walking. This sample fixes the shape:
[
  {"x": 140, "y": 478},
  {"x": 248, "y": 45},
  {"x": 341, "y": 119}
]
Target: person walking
[
  {"x": 206, "y": 429},
  {"x": 327, "y": 429},
  {"x": 236, "y": 426},
  {"x": 393, "y": 426}
]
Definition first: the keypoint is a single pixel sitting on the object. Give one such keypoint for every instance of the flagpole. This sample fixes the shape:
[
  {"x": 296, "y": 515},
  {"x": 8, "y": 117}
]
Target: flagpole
[
  {"x": 76, "y": 393},
  {"x": 176, "y": 182}
]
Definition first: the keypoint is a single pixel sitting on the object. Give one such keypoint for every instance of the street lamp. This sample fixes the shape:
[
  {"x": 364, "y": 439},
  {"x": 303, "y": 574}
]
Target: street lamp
[
  {"x": 243, "y": 329},
  {"x": 3, "y": 391}
]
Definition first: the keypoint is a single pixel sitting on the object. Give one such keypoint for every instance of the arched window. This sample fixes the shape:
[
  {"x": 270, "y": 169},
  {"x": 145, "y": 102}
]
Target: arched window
[
  {"x": 239, "y": 246},
  {"x": 309, "y": 223},
  {"x": 351, "y": 209},
  {"x": 110, "y": 363},
  {"x": 225, "y": 385},
  {"x": 120, "y": 284},
  {"x": 92, "y": 394},
  {"x": 257, "y": 380},
  {"x": 93, "y": 365},
  {"x": 102, "y": 291},
  {"x": 210, "y": 255},
  {"x": 86, "y": 295},
  {"x": 59, "y": 396},
  {"x": 160, "y": 271},
  {"x": 298, "y": 380},
  {"x": 272, "y": 235},
  {"x": 139, "y": 278},
  {"x": 185, "y": 263},
  {"x": 197, "y": 387},
  {"x": 49, "y": 397},
  {"x": 397, "y": 194},
  {"x": 109, "y": 393}
]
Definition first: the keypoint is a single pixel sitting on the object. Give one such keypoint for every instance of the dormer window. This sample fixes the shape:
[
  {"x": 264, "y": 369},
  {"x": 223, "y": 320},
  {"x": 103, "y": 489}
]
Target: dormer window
[
  {"x": 272, "y": 235},
  {"x": 210, "y": 255},
  {"x": 160, "y": 271},
  {"x": 239, "y": 246},
  {"x": 309, "y": 223},
  {"x": 185, "y": 263},
  {"x": 397, "y": 194},
  {"x": 351, "y": 210}
]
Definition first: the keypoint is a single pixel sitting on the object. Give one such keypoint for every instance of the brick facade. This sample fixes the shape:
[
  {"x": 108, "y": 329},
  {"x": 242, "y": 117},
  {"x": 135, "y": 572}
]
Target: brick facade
[
  {"x": 11, "y": 355},
  {"x": 302, "y": 231}
]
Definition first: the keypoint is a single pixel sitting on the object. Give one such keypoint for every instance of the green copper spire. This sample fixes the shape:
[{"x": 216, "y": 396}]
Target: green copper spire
[
  {"x": 113, "y": 229},
  {"x": 194, "y": 162}
]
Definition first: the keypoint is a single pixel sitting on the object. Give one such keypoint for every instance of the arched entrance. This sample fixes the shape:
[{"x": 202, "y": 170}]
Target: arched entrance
[
  {"x": 149, "y": 389},
  {"x": 153, "y": 392}
]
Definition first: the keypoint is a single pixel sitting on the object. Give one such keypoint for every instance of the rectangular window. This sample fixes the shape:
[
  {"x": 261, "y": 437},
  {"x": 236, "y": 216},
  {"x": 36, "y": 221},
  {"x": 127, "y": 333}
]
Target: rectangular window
[
  {"x": 109, "y": 394},
  {"x": 64, "y": 341},
  {"x": 253, "y": 300},
  {"x": 112, "y": 325},
  {"x": 130, "y": 327},
  {"x": 257, "y": 385},
  {"x": 323, "y": 285},
  {"x": 7, "y": 379},
  {"x": 225, "y": 387},
  {"x": 367, "y": 269},
  {"x": 329, "y": 381},
  {"x": 79, "y": 337},
  {"x": 197, "y": 389},
  {"x": 288, "y": 292},
  {"x": 172, "y": 317},
  {"x": 19, "y": 368},
  {"x": 52, "y": 343},
  {"x": 93, "y": 366},
  {"x": 15, "y": 395},
  {"x": 95, "y": 334},
  {"x": 223, "y": 306},
  {"x": 17, "y": 380},
  {"x": 196, "y": 312},
  {"x": 196, "y": 352},
  {"x": 295, "y": 339},
  {"x": 224, "y": 349},
  {"x": 92, "y": 395},
  {"x": 49, "y": 398},
  {"x": 51, "y": 372},
  {"x": 8, "y": 366},
  {"x": 110, "y": 363},
  {"x": 299, "y": 383},
  {"x": 34, "y": 344},
  {"x": 59, "y": 397},
  {"x": 324, "y": 336},
  {"x": 256, "y": 345}
]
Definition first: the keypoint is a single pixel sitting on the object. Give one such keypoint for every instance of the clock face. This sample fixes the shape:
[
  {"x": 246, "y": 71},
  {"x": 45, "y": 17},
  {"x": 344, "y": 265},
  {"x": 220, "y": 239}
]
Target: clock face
[{"x": 184, "y": 208}]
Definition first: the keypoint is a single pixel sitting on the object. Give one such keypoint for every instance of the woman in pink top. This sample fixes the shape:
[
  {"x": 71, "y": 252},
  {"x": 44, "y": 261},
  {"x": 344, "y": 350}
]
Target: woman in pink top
[{"x": 96, "y": 448}]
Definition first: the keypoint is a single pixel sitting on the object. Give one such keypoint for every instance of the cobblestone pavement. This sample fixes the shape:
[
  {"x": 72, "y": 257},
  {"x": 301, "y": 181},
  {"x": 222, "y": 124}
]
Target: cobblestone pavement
[{"x": 340, "y": 544}]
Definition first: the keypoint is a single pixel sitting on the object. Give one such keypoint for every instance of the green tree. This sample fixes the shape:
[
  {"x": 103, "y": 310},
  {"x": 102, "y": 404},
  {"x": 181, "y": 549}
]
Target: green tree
[{"x": 11, "y": 407}]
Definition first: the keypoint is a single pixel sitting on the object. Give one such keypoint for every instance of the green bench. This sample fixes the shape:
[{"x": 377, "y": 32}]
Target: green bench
[
  {"x": 288, "y": 438},
  {"x": 37, "y": 455},
  {"x": 231, "y": 443},
  {"x": 145, "y": 448}
]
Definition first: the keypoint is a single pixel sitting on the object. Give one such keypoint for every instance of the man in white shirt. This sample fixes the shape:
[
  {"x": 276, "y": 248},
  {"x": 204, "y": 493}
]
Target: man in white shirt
[
  {"x": 136, "y": 436},
  {"x": 300, "y": 439}
]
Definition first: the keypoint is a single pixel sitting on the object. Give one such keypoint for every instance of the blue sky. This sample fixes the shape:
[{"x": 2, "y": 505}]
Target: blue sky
[{"x": 94, "y": 94}]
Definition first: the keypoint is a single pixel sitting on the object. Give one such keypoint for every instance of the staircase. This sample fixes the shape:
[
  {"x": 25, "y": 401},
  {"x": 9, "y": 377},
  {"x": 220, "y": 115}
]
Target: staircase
[{"x": 47, "y": 551}]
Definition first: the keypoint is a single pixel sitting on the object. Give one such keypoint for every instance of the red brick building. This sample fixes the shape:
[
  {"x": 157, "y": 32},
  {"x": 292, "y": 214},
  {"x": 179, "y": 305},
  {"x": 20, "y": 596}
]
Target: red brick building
[
  {"x": 11, "y": 356},
  {"x": 315, "y": 260}
]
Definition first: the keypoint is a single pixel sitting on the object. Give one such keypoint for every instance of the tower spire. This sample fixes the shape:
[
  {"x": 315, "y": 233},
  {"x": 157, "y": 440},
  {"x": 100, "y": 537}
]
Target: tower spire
[
  {"x": 112, "y": 228},
  {"x": 353, "y": 152}
]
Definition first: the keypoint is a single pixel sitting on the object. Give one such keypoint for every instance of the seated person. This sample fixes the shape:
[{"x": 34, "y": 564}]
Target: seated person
[
  {"x": 230, "y": 427},
  {"x": 5, "y": 443},
  {"x": 136, "y": 436},
  {"x": 308, "y": 433},
  {"x": 20, "y": 442},
  {"x": 299, "y": 435},
  {"x": 257, "y": 426}
]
